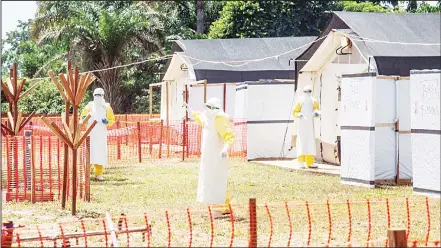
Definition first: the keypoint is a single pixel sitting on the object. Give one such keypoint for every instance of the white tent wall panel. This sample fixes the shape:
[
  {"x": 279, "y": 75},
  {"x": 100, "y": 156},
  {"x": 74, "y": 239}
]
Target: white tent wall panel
[
  {"x": 405, "y": 156},
  {"x": 357, "y": 153},
  {"x": 357, "y": 134},
  {"x": 272, "y": 101},
  {"x": 386, "y": 137},
  {"x": 266, "y": 140},
  {"x": 404, "y": 147},
  {"x": 426, "y": 161},
  {"x": 368, "y": 106},
  {"x": 267, "y": 108},
  {"x": 240, "y": 107},
  {"x": 425, "y": 128}
]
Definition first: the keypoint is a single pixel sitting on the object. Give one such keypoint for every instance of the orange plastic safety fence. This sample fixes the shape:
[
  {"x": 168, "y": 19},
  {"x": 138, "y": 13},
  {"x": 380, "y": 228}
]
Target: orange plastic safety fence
[
  {"x": 191, "y": 227},
  {"x": 32, "y": 168}
]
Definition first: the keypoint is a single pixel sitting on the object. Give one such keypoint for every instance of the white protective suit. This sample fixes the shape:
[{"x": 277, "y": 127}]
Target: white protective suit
[
  {"x": 305, "y": 110},
  {"x": 217, "y": 137},
  {"x": 100, "y": 111}
]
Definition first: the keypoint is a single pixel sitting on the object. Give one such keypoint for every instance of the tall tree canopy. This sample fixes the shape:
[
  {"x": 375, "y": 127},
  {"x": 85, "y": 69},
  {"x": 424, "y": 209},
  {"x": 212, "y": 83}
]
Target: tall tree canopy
[
  {"x": 240, "y": 19},
  {"x": 100, "y": 35}
]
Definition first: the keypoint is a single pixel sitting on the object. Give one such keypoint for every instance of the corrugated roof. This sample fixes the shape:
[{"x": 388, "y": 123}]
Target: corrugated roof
[
  {"x": 396, "y": 27},
  {"x": 245, "y": 49}
]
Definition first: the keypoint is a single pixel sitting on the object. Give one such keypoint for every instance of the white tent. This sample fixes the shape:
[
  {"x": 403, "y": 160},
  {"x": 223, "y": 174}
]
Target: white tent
[
  {"x": 368, "y": 137},
  {"x": 351, "y": 44},
  {"x": 177, "y": 76},
  {"x": 267, "y": 106},
  {"x": 323, "y": 73},
  {"x": 425, "y": 127}
]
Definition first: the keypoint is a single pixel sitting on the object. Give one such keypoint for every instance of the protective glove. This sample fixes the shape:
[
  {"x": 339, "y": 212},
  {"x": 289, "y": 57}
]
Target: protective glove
[
  {"x": 316, "y": 113},
  {"x": 301, "y": 116},
  {"x": 224, "y": 152},
  {"x": 84, "y": 117},
  {"x": 105, "y": 121}
]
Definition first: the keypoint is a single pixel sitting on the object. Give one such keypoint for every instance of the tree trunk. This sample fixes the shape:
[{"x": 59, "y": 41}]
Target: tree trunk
[
  {"x": 200, "y": 18},
  {"x": 412, "y": 6}
]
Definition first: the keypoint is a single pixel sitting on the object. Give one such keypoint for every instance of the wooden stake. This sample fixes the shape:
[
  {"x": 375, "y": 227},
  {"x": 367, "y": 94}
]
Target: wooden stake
[
  {"x": 60, "y": 89},
  {"x": 86, "y": 134},
  {"x": 70, "y": 96},
  {"x": 29, "y": 90},
  {"x": 17, "y": 122},
  {"x": 397, "y": 238},
  {"x": 66, "y": 159}
]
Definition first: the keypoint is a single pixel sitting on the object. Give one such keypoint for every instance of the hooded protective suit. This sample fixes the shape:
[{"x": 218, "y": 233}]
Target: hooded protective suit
[
  {"x": 217, "y": 138},
  {"x": 305, "y": 110},
  {"x": 103, "y": 114}
]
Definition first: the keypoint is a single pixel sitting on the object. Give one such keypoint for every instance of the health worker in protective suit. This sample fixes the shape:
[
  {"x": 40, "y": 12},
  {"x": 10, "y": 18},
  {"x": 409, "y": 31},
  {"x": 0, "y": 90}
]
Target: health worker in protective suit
[
  {"x": 100, "y": 111},
  {"x": 217, "y": 138},
  {"x": 306, "y": 108}
]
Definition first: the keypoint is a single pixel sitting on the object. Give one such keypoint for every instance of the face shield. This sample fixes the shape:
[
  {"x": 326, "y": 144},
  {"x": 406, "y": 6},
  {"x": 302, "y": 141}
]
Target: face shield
[
  {"x": 307, "y": 91},
  {"x": 210, "y": 110},
  {"x": 98, "y": 96}
]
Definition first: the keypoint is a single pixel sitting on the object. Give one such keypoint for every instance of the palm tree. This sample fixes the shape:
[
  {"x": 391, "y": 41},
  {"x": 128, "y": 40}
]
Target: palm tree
[{"x": 101, "y": 35}]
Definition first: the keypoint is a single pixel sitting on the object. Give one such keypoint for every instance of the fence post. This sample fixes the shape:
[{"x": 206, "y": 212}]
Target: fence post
[
  {"x": 87, "y": 173},
  {"x": 160, "y": 138},
  {"x": 183, "y": 140},
  {"x": 118, "y": 142},
  {"x": 139, "y": 142},
  {"x": 9, "y": 165},
  {"x": 28, "y": 134},
  {"x": 150, "y": 134},
  {"x": 397, "y": 237},
  {"x": 253, "y": 223},
  {"x": 33, "y": 195},
  {"x": 127, "y": 136},
  {"x": 7, "y": 234}
]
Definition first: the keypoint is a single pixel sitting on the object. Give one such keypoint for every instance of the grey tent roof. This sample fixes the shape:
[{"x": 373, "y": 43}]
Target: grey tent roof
[
  {"x": 244, "y": 49},
  {"x": 395, "y": 27}
]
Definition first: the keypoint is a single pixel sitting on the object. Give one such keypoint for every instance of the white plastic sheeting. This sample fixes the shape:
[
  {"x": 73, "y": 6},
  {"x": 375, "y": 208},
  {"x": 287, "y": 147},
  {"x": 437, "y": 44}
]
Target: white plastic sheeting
[
  {"x": 267, "y": 107},
  {"x": 404, "y": 147},
  {"x": 325, "y": 83},
  {"x": 175, "y": 100},
  {"x": 425, "y": 128},
  {"x": 196, "y": 96},
  {"x": 368, "y": 136}
]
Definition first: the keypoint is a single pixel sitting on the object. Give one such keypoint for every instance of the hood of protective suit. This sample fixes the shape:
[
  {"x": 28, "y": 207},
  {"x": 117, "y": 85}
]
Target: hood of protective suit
[
  {"x": 98, "y": 96},
  {"x": 212, "y": 107},
  {"x": 307, "y": 90}
]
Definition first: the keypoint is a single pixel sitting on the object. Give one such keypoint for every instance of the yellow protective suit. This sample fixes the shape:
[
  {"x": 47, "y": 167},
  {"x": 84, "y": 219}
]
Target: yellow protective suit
[
  {"x": 217, "y": 136},
  {"x": 98, "y": 136},
  {"x": 305, "y": 110}
]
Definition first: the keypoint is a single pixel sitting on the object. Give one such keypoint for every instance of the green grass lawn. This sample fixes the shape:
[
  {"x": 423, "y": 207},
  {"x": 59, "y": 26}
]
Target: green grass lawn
[{"x": 171, "y": 185}]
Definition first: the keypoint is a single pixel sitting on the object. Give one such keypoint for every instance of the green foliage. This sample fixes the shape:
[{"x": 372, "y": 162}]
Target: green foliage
[
  {"x": 427, "y": 8},
  {"x": 33, "y": 60},
  {"x": 102, "y": 35},
  {"x": 240, "y": 19},
  {"x": 352, "y": 6}
]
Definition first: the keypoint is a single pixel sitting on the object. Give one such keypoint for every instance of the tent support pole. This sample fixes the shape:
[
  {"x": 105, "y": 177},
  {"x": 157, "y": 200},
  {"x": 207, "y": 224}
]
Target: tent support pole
[
  {"x": 205, "y": 91},
  {"x": 225, "y": 97}
]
